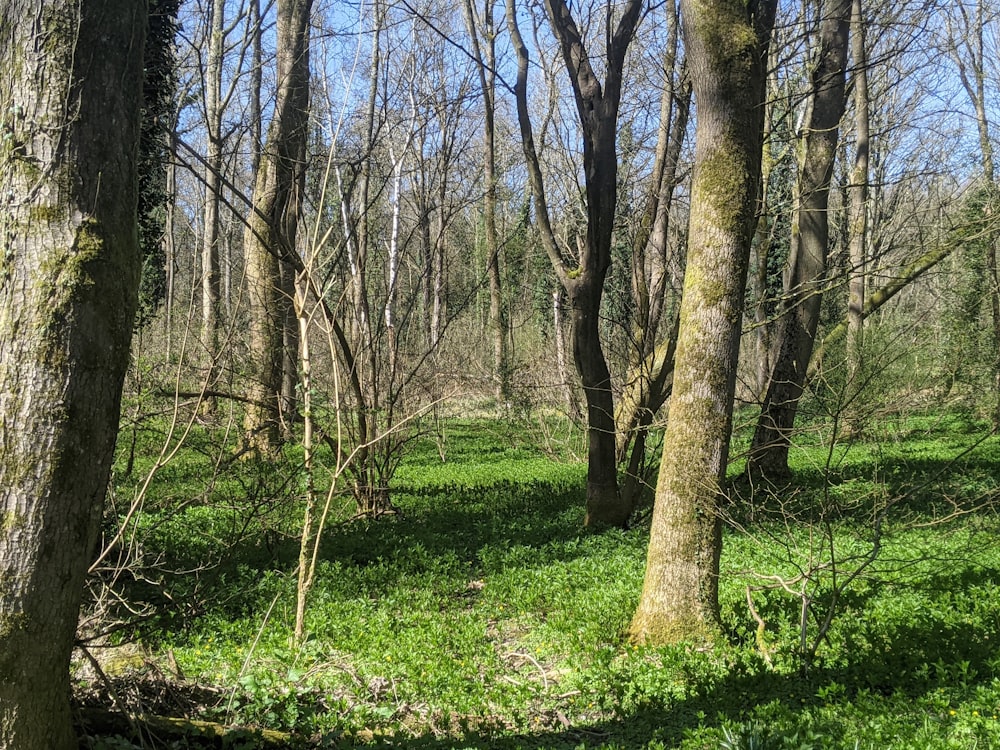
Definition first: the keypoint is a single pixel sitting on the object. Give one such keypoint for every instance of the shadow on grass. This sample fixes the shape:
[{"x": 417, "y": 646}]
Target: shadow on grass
[
  {"x": 792, "y": 703},
  {"x": 446, "y": 523}
]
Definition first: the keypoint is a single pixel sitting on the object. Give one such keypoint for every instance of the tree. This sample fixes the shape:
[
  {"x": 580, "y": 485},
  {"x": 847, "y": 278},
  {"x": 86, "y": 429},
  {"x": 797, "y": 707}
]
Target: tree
[
  {"x": 969, "y": 53},
  {"x": 858, "y": 229},
  {"x": 269, "y": 239},
  {"x": 70, "y": 101},
  {"x": 807, "y": 263},
  {"x": 210, "y": 272},
  {"x": 485, "y": 57},
  {"x": 597, "y": 108},
  {"x": 159, "y": 91},
  {"x": 727, "y": 43},
  {"x": 650, "y": 356}
]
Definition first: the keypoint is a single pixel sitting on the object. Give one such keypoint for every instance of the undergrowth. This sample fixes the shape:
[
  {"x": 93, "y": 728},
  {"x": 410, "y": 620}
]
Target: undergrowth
[{"x": 483, "y": 615}]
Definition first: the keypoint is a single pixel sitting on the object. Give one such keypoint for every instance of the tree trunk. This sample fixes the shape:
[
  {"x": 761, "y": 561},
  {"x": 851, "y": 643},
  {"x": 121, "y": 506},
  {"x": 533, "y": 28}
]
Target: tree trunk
[
  {"x": 764, "y": 239},
  {"x": 796, "y": 329},
  {"x": 859, "y": 195},
  {"x": 68, "y": 283},
  {"x": 558, "y": 335},
  {"x": 210, "y": 267},
  {"x": 271, "y": 228},
  {"x": 486, "y": 67},
  {"x": 290, "y": 338},
  {"x": 169, "y": 241},
  {"x": 604, "y": 506},
  {"x": 597, "y": 109},
  {"x": 726, "y": 42},
  {"x": 647, "y": 382},
  {"x": 256, "y": 84}
]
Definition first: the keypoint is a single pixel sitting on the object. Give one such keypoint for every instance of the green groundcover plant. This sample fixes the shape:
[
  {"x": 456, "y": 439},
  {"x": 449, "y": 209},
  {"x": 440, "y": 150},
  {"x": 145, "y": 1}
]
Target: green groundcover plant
[{"x": 482, "y": 615}]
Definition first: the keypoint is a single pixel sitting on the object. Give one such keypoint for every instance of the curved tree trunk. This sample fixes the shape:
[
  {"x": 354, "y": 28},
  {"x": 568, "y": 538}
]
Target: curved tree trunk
[
  {"x": 270, "y": 236},
  {"x": 726, "y": 42},
  {"x": 796, "y": 329},
  {"x": 597, "y": 109},
  {"x": 69, "y": 271}
]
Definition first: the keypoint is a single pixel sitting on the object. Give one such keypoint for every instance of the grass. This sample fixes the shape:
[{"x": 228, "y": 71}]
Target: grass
[{"x": 484, "y": 615}]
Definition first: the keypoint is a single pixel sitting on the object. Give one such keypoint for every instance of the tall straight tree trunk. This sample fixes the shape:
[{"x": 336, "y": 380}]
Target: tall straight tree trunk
[
  {"x": 726, "y": 42},
  {"x": 290, "y": 339},
  {"x": 69, "y": 273},
  {"x": 583, "y": 279},
  {"x": 169, "y": 244},
  {"x": 272, "y": 225},
  {"x": 806, "y": 273},
  {"x": 356, "y": 224},
  {"x": 438, "y": 278},
  {"x": 486, "y": 66},
  {"x": 211, "y": 279},
  {"x": 565, "y": 382},
  {"x": 858, "y": 194},
  {"x": 256, "y": 84},
  {"x": 764, "y": 239}
]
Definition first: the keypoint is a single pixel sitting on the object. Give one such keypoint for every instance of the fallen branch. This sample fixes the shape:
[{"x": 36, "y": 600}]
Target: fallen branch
[{"x": 94, "y": 721}]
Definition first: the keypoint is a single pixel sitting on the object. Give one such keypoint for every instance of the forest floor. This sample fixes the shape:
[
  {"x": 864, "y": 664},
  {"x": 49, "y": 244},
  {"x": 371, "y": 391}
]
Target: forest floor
[{"x": 860, "y": 602}]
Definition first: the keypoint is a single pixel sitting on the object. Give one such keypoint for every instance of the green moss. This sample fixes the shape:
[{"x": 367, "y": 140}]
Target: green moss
[
  {"x": 724, "y": 30},
  {"x": 121, "y": 664},
  {"x": 61, "y": 29},
  {"x": 11, "y": 623},
  {"x": 669, "y": 630},
  {"x": 89, "y": 240},
  {"x": 46, "y": 214},
  {"x": 70, "y": 270},
  {"x": 10, "y": 521},
  {"x": 722, "y": 185},
  {"x": 6, "y": 584}
]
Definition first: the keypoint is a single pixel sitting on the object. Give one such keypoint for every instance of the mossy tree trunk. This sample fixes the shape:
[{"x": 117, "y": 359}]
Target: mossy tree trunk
[
  {"x": 795, "y": 333},
  {"x": 269, "y": 240},
  {"x": 583, "y": 275},
  {"x": 70, "y": 99},
  {"x": 726, "y": 42}
]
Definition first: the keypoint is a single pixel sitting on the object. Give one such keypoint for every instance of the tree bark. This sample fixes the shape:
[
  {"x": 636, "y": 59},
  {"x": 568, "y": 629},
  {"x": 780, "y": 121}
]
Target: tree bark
[
  {"x": 290, "y": 342},
  {"x": 647, "y": 382},
  {"x": 71, "y": 95},
  {"x": 269, "y": 239},
  {"x": 764, "y": 237},
  {"x": 597, "y": 109},
  {"x": 486, "y": 67},
  {"x": 796, "y": 329},
  {"x": 726, "y": 42},
  {"x": 858, "y": 194},
  {"x": 211, "y": 289}
]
